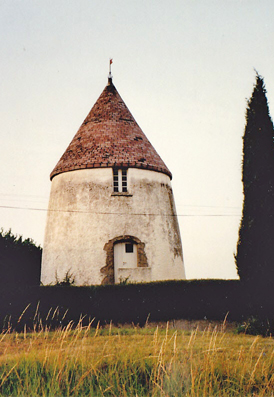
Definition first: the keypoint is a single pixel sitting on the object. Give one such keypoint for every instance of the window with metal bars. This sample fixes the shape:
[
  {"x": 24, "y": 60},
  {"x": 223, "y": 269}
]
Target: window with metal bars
[{"x": 119, "y": 180}]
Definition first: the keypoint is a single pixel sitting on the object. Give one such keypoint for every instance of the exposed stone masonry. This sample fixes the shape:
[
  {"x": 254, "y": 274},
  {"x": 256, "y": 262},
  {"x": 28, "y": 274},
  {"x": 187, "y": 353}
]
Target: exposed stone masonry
[{"x": 108, "y": 270}]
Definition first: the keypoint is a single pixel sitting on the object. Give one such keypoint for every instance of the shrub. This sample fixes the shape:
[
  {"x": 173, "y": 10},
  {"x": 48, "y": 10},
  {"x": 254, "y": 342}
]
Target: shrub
[
  {"x": 20, "y": 260},
  {"x": 255, "y": 326}
]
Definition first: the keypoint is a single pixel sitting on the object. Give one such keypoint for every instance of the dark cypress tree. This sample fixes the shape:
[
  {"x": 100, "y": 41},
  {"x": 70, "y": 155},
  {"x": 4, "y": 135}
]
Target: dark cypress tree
[{"x": 255, "y": 249}]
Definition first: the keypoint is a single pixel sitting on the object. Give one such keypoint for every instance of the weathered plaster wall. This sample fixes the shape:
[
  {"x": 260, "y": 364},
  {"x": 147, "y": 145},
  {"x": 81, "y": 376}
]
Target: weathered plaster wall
[{"x": 84, "y": 216}]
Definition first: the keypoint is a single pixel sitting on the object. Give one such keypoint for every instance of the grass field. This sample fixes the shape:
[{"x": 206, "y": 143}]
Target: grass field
[{"x": 133, "y": 361}]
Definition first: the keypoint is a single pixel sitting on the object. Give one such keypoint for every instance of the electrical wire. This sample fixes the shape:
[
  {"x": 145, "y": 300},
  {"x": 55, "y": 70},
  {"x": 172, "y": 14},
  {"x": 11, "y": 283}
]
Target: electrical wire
[{"x": 115, "y": 213}]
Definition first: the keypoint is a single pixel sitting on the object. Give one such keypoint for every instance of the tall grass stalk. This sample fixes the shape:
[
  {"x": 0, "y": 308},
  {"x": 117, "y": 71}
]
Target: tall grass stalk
[{"x": 131, "y": 361}]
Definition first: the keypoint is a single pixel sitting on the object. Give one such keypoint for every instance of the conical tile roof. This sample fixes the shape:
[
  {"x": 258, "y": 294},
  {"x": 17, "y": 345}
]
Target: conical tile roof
[{"x": 110, "y": 137}]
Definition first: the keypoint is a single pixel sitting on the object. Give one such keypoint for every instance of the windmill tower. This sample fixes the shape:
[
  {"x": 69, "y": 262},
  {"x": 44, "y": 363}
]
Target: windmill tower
[{"x": 111, "y": 213}]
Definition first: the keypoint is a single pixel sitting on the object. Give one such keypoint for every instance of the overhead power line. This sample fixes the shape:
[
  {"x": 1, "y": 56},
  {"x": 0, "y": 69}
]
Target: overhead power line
[
  {"x": 114, "y": 213},
  {"x": 38, "y": 198}
]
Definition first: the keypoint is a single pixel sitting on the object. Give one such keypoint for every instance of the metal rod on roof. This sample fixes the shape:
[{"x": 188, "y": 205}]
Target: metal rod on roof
[{"x": 110, "y": 62}]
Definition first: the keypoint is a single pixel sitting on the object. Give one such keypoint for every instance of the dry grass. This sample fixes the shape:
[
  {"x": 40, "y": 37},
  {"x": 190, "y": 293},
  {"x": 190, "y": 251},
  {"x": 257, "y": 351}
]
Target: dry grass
[{"x": 132, "y": 361}]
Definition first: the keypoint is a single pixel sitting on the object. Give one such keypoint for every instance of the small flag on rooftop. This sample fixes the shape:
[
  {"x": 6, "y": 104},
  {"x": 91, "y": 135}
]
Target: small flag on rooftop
[{"x": 110, "y": 62}]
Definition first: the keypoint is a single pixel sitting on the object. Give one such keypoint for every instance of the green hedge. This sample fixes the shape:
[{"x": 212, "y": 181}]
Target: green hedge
[{"x": 158, "y": 301}]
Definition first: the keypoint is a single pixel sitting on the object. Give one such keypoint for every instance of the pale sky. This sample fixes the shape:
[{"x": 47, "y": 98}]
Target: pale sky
[{"x": 184, "y": 68}]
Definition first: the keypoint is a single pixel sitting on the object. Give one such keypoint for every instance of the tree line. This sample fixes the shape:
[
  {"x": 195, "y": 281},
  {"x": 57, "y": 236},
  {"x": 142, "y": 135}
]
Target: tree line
[{"x": 20, "y": 260}]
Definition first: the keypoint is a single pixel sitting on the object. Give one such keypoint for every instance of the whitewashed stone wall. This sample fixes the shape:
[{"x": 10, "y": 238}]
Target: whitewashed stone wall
[{"x": 84, "y": 215}]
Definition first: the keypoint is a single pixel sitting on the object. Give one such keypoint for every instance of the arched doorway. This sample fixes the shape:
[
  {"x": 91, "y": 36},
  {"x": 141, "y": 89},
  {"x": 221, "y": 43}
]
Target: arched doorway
[{"x": 125, "y": 255}]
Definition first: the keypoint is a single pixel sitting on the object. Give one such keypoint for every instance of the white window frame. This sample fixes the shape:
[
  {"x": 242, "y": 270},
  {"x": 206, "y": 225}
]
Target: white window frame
[{"x": 120, "y": 180}]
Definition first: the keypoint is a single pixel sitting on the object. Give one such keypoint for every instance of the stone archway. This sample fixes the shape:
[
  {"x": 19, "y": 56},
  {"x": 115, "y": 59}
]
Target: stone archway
[{"x": 108, "y": 269}]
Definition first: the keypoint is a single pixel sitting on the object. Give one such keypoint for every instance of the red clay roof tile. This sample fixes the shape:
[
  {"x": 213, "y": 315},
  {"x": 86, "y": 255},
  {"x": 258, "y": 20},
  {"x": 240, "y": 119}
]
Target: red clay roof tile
[{"x": 110, "y": 137}]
